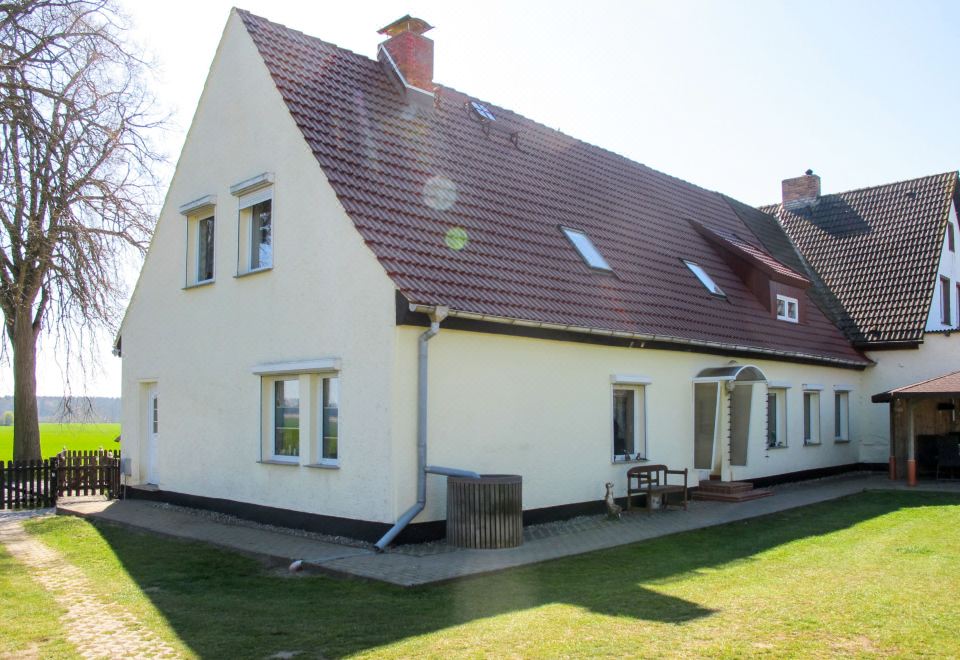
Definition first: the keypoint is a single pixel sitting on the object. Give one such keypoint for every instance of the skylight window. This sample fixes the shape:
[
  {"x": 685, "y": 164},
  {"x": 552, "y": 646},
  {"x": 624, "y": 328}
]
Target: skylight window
[
  {"x": 705, "y": 279},
  {"x": 586, "y": 249}
]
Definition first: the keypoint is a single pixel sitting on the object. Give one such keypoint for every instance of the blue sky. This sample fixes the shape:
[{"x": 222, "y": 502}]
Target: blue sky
[{"x": 734, "y": 96}]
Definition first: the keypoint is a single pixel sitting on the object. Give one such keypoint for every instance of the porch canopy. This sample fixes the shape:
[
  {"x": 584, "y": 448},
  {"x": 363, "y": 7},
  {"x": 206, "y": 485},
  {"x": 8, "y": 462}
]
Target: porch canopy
[
  {"x": 941, "y": 387},
  {"x": 917, "y": 412}
]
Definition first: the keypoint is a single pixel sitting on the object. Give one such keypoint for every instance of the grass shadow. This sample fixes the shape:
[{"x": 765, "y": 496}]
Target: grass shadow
[{"x": 222, "y": 604}]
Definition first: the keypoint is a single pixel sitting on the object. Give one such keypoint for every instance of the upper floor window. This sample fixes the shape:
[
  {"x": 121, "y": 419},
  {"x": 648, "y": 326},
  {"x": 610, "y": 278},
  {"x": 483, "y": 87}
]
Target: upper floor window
[
  {"x": 255, "y": 225},
  {"x": 201, "y": 222},
  {"x": 950, "y": 236},
  {"x": 945, "y": 288},
  {"x": 587, "y": 249},
  {"x": 705, "y": 279},
  {"x": 788, "y": 309}
]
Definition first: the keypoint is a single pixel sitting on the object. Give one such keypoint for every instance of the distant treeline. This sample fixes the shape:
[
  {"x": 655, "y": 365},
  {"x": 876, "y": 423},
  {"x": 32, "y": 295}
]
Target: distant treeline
[{"x": 77, "y": 409}]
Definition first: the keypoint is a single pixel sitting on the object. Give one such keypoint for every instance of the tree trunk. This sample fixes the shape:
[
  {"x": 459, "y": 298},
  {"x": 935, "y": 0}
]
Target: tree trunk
[{"x": 26, "y": 426}]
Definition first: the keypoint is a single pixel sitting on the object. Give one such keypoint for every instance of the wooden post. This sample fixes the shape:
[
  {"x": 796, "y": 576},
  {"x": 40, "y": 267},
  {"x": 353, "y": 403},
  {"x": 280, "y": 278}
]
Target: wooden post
[
  {"x": 893, "y": 440},
  {"x": 911, "y": 447}
]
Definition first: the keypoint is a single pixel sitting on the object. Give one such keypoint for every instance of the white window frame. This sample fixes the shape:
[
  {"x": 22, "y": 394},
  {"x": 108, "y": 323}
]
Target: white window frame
[
  {"x": 310, "y": 374},
  {"x": 711, "y": 286},
  {"x": 811, "y": 434},
  {"x": 638, "y": 387},
  {"x": 195, "y": 212},
  {"x": 586, "y": 249},
  {"x": 841, "y": 403},
  {"x": 783, "y": 428},
  {"x": 269, "y": 440},
  {"x": 787, "y": 301},
  {"x": 249, "y": 193}
]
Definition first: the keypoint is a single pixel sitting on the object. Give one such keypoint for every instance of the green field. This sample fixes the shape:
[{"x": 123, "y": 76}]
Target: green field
[
  {"x": 54, "y": 437},
  {"x": 871, "y": 575}
]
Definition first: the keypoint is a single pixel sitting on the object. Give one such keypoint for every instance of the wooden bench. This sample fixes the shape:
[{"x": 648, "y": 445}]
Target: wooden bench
[{"x": 651, "y": 480}]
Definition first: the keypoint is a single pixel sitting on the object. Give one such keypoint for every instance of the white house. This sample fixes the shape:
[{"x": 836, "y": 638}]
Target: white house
[{"x": 353, "y": 262}]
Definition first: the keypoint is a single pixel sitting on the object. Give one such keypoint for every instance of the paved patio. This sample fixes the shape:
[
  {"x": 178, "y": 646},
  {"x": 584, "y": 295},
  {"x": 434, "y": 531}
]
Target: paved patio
[{"x": 436, "y": 562}]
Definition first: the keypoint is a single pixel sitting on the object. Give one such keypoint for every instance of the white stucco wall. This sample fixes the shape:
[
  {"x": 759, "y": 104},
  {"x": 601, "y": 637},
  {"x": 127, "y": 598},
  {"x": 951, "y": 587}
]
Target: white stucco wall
[
  {"x": 949, "y": 268},
  {"x": 542, "y": 409},
  {"x": 938, "y": 355},
  {"x": 326, "y": 296}
]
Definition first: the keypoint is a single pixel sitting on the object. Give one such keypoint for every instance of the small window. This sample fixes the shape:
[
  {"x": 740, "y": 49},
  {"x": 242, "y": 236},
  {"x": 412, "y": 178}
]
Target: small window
[
  {"x": 587, "y": 250},
  {"x": 776, "y": 417},
  {"x": 330, "y": 427},
  {"x": 629, "y": 426},
  {"x": 841, "y": 416},
  {"x": 788, "y": 309},
  {"x": 950, "y": 236},
  {"x": 811, "y": 418},
  {"x": 255, "y": 227},
  {"x": 261, "y": 235},
  {"x": 205, "y": 250},
  {"x": 201, "y": 251},
  {"x": 945, "y": 289},
  {"x": 286, "y": 419},
  {"x": 154, "y": 417},
  {"x": 705, "y": 279}
]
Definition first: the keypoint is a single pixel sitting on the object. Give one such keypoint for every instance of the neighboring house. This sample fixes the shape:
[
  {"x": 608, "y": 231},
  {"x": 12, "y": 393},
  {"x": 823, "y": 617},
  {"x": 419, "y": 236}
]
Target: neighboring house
[
  {"x": 885, "y": 265},
  {"x": 337, "y": 224}
]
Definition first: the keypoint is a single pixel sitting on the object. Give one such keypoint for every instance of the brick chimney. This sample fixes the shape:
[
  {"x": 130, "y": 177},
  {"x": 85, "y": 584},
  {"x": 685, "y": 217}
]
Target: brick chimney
[
  {"x": 801, "y": 191},
  {"x": 408, "y": 52}
]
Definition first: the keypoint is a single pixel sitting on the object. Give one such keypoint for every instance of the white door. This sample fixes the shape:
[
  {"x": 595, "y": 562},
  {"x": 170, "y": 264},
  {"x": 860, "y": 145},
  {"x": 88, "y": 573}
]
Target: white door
[{"x": 153, "y": 431}]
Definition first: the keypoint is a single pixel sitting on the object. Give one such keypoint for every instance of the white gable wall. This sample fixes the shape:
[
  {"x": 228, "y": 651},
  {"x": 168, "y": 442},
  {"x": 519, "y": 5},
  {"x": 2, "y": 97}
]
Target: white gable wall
[
  {"x": 326, "y": 296},
  {"x": 949, "y": 268}
]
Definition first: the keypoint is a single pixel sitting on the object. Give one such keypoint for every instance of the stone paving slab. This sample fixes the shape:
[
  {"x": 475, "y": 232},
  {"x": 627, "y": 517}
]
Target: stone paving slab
[
  {"x": 252, "y": 540},
  {"x": 415, "y": 565}
]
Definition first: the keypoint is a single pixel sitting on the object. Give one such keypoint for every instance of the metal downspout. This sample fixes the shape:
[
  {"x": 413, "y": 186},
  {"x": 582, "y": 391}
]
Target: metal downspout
[{"x": 436, "y": 315}]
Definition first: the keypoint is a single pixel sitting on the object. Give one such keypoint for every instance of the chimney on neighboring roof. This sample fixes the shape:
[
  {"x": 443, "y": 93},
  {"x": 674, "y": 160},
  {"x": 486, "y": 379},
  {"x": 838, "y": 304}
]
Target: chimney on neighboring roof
[
  {"x": 408, "y": 52},
  {"x": 801, "y": 191}
]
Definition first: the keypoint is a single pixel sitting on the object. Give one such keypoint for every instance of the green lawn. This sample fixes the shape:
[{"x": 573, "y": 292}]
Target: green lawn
[
  {"x": 54, "y": 437},
  {"x": 877, "y": 573}
]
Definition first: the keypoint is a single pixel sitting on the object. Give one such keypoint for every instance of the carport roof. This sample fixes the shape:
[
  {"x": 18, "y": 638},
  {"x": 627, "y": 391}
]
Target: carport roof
[{"x": 947, "y": 385}]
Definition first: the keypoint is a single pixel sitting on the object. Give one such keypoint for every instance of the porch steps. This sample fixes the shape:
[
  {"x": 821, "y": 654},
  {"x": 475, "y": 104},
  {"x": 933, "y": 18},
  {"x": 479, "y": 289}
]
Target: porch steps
[{"x": 729, "y": 491}]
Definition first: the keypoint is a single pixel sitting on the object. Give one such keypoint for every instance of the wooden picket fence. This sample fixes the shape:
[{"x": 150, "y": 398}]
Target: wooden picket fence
[
  {"x": 38, "y": 484},
  {"x": 28, "y": 484}
]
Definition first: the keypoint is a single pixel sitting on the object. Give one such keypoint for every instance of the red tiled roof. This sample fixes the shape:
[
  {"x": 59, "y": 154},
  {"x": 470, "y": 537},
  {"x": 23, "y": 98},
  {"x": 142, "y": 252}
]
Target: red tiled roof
[
  {"x": 877, "y": 250},
  {"x": 419, "y": 184},
  {"x": 944, "y": 386},
  {"x": 753, "y": 254}
]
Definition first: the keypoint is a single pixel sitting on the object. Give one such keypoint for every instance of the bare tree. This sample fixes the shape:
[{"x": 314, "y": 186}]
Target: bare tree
[{"x": 76, "y": 187}]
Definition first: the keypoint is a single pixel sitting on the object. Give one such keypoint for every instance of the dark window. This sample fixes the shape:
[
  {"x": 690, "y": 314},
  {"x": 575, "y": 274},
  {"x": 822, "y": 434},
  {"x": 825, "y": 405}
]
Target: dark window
[
  {"x": 286, "y": 418},
  {"x": 624, "y": 421},
  {"x": 950, "y": 236},
  {"x": 331, "y": 415},
  {"x": 771, "y": 420},
  {"x": 945, "y": 300},
  {"x": 205, "y": 250},
  {"x": 261, "y": 248}
]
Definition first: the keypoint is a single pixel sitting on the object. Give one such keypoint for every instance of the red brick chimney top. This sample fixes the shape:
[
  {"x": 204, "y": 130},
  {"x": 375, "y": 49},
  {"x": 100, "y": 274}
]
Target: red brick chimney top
[
  {"x": 801, "y": 191},
  {"x": 410, "y": 52}
]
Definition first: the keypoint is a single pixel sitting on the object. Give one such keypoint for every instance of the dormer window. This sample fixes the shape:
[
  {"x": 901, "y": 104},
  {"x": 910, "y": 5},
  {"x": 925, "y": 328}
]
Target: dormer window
[
  {"x": 788, "y": 309},
  {"x": 587, "y": 250},
  {"x": 705, "y": 279}
]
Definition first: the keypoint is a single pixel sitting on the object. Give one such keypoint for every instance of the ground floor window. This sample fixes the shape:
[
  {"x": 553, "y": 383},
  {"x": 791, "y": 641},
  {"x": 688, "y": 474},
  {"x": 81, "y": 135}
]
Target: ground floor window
[
  {"x": 286, "y": 418},
  {"x": 811, "y": 418},
  {"x": 776, "y": 417},
  {"x": 301, "y": 414},
  {"x": 629, "y": 424},
  {"x": 841, "y": 416}
]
